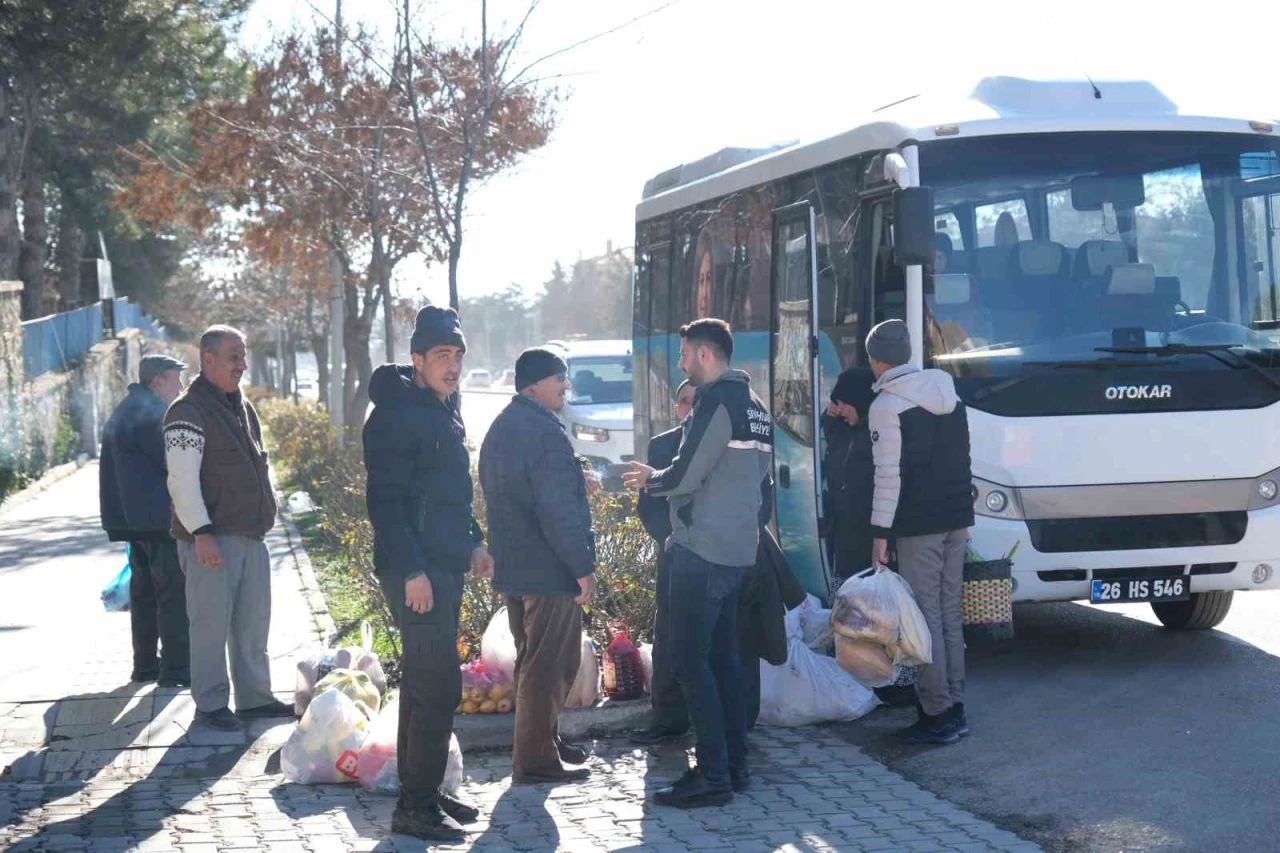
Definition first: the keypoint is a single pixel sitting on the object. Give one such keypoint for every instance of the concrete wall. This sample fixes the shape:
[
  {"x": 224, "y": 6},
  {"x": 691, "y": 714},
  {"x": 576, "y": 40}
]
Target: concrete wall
[{"x": 59, "y": 414}]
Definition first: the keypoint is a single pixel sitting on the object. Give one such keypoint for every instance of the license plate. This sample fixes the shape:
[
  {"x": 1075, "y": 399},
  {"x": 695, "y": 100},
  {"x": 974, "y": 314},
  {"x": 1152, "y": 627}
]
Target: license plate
[{"x": 1120, "y": 590}]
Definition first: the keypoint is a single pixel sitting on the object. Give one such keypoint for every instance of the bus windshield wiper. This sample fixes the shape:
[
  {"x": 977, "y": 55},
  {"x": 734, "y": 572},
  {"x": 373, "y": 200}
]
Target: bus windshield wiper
[
  {"x": 1214, "y": 351},
  {"x": 1087, "y": 364}
]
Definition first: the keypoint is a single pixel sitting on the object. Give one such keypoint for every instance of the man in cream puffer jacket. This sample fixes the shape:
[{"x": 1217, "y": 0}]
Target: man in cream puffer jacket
[{"x": 923, "y": 500}]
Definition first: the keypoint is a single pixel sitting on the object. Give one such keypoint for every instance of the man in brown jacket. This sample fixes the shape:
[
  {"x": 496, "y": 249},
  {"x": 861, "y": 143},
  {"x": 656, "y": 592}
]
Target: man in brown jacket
[{"x": 223, "y": 506}]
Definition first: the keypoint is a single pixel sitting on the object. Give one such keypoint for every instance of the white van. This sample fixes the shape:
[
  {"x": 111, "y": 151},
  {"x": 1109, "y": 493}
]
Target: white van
[{"x": 597, "y": 413}]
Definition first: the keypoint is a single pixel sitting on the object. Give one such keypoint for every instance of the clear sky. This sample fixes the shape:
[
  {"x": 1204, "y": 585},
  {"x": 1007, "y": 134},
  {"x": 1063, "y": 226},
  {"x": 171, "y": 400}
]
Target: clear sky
[{"x": 701, "y": 75}]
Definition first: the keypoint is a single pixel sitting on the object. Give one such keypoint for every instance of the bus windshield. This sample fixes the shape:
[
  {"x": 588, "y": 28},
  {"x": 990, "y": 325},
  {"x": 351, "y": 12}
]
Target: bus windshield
[
  {"x": 600, "y": 379},
  {"x": 1059, "y": 249}
]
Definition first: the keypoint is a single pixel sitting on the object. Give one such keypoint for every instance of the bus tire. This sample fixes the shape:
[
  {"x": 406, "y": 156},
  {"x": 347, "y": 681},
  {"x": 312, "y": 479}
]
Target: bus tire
[{"x": 1202, "y": 610}]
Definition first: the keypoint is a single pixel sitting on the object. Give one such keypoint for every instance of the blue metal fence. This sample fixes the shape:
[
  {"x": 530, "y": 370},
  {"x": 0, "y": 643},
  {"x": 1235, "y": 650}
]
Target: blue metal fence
[{"x": 49, "y": 343}]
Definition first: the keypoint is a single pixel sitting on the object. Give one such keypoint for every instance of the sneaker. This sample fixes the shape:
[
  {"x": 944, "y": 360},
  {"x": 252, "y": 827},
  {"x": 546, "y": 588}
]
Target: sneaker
[
  {"x": 656, "y": 734},
  {"x": 693, "y": 791},
  {"x": 456, "y": 809},
  {"x": 942, "y": 729},
  {"x": 427, "y": 824},
  {"x": 571, "y": 753},
  {"x": 740, "y": 779},
  {"x": 957, "y": 714},
  {"x": 274, "y": 708},
  {"x": 222, "y": 720}
]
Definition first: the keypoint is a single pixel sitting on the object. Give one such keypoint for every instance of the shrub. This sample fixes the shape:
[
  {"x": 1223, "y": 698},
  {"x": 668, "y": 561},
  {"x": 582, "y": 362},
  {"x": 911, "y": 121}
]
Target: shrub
[{"x": 312, "y": 456}]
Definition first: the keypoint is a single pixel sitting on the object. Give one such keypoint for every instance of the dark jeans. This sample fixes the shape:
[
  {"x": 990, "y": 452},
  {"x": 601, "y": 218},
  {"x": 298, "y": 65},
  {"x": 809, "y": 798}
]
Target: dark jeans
[
  {"x": 669, "y": 709},
  {"x": 547, "y": 630},
  {"x": 430, "y": 688},
  {"x": 158, "y": 608},
  {"x": 703, "y": 610}
]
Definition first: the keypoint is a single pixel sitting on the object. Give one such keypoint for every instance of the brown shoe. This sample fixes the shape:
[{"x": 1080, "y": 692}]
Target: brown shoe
[{"x": 555, "y": 777}]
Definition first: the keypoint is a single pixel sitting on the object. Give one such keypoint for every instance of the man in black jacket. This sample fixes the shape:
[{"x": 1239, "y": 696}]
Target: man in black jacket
[
  {"x": 136, "y": 509},
  {"x": 425, "y": 537},
  {"x": 923, "y": 500},
  {"x": 544, "y": 553}
]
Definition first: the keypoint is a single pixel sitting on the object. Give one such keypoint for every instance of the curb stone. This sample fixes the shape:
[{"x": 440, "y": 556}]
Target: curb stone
[{"x": 326, "y": 628}]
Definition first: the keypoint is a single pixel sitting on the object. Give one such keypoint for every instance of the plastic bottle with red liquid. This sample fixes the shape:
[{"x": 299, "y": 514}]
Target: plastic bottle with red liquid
[{"x": 623, "y": 669}]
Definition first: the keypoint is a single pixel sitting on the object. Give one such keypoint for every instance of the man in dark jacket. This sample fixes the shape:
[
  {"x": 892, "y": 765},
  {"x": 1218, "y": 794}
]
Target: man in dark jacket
[
  {"x": 670, "y": 718},
  {"x": 223, "y": 507},
  {"x": 923, "y": 500},
  {"x": 136, "y": 509},
  {"x": 850, "y": 472},
  {"x": 419, "y": 495},
  {"x": 544, "y": 559},
  {"x": 713, "y": 487}
]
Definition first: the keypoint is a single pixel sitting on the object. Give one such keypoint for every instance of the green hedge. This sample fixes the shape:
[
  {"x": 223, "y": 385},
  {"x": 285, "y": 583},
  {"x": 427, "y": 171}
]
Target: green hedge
[{"x": 312, "y": 456}]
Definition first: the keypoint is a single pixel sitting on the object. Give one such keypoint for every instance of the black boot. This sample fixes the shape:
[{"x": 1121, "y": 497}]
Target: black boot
[
  {"x": 692, "y": 791},
  {"x": 428, "y": 824}
]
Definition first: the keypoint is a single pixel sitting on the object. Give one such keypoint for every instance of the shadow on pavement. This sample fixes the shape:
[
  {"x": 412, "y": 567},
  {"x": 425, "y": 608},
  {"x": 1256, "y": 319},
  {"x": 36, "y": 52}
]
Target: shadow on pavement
[
  {"x": 1095, "y": 731},
  {"x": 33, "y": 542},
  {"x": 146, "y": 737}
]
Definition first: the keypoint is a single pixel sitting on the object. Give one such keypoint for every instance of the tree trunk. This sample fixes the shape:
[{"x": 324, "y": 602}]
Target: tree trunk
[
  {"x": 455, "y": 253},
  {"x": 355, "y": 335},
  {"x": 35, "y": 237},
  {"x": 10, "y": 239},
  {"x": 320, "y": 347},
  {"x": 388, "y": 320},
  {"x": 67, "y": 254}
]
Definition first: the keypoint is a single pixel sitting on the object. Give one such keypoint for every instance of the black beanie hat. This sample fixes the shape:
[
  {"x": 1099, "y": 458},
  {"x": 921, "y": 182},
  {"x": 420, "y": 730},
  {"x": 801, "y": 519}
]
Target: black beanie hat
[
  {"x": 536, "y": 364},
  {"x": 437, "y": 327},
  {"x": 854, "y": 387}
]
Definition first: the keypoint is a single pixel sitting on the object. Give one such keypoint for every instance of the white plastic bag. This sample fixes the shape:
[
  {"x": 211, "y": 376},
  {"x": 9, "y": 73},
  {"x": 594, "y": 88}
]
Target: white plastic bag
[
  {"x": 314, "y": 668},
  {"x": 586, "y": 687},
  {"x": 325, "y": 746},
  {"x": 870, "y": 663},
  {"x": 814, "y": 622},
  {"x": 879, "y": 606},
  {"x": 810, "y": 688},
  {"x": 377, "y": 767},
  {"x": 646, "y": 663},
  {"x": 498, "y": 647},
  {"x": 376, "y": 764}
]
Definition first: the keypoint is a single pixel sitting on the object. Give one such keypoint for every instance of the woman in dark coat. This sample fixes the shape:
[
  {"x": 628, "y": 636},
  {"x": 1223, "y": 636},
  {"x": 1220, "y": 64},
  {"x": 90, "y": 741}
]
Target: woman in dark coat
[{"x": 850, "y": 473}]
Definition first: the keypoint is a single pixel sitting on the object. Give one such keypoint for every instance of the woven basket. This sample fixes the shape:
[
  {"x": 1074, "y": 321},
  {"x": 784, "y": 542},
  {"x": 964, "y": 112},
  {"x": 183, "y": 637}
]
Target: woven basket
[{"x": 986, "y": 603}]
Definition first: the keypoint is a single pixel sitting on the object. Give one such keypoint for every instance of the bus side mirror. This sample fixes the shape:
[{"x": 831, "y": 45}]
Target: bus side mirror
[{"x": 913, "y": 226}]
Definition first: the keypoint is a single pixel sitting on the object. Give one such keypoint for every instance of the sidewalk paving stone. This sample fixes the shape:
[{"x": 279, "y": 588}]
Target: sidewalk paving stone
[{"x": 98, "y": 765}]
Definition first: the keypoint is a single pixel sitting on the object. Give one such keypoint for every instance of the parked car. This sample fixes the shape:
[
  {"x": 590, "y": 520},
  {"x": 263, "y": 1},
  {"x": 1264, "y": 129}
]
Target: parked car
[
  {"x": 477, "y": 378},
  {"x": 507, "y": 379},
  {"x": 597, "y": 412}
]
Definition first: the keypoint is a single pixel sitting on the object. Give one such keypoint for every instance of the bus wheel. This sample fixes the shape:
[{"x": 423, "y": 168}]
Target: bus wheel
[{"x": 1202, "y": 610}]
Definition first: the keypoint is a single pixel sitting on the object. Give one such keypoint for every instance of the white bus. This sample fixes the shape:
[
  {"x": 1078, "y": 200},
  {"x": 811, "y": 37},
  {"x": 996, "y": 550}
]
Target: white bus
[{"x": 1097, "y": 271}]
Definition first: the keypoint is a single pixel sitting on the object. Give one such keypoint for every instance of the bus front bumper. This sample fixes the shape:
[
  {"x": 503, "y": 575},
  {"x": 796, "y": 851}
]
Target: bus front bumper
[{"x": 1252, "y": 563}]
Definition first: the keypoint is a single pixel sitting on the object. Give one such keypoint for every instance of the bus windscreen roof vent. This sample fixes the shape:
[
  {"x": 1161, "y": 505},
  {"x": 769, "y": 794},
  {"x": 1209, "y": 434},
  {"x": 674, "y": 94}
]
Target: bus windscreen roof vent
[{"x": 687, "y": 173}]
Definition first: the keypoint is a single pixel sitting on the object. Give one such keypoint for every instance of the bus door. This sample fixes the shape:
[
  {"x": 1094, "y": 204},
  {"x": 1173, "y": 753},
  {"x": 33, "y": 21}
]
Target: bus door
[
  {"x": 794, "y": 396},
  {"x": 1260, "y": 220}
]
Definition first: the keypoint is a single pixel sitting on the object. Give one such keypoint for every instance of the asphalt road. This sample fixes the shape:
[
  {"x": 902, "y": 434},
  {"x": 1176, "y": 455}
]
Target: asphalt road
[{"x": 1095, "y": 729}]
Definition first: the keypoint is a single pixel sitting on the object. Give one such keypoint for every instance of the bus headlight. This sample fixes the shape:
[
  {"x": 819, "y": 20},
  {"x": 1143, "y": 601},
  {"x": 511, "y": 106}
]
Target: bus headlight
[
  {"x": 995, "y": 501},
  {"x": 1267, "y": 490},
  {"x": 583, "y": 432}
]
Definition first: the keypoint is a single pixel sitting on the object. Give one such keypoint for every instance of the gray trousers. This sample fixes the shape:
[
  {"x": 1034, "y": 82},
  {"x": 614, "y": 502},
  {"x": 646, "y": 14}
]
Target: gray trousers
[
  {"x": 934, "y": 567},
  {"x": 229, "y": 607}
]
